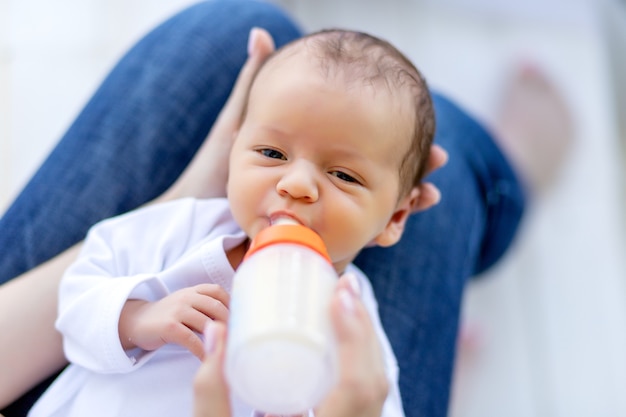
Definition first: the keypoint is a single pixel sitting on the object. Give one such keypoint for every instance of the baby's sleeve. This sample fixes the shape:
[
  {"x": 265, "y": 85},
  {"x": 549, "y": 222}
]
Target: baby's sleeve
[
  {"x": 121, "y": 259},
  {"x": 92, "y": 294}
]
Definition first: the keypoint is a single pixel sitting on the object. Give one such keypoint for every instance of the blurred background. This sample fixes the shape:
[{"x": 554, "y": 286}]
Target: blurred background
[{"x": 544, "y": 333}]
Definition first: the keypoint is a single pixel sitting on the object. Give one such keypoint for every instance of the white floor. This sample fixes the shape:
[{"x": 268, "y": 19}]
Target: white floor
[{"x": 548, "y": 325}]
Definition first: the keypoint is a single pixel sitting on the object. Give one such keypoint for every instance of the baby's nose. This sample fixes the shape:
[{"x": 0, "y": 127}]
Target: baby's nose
[{"x": 299, "y": 182}]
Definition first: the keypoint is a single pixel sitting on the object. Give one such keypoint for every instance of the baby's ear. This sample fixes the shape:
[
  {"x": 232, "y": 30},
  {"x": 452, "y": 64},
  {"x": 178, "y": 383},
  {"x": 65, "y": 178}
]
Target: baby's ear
[{"x": 395, "y": 227}]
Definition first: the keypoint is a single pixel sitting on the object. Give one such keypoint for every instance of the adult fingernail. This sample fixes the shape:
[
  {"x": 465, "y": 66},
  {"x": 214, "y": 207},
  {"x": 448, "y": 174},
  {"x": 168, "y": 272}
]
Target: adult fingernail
[
  {"x": 354, "y": 283},
  {"x": 437, "y": 195},
  {"x": 209, "y": 337},
  {"x": 347, "y": 300},
  {"x": 254, "y": 33}
]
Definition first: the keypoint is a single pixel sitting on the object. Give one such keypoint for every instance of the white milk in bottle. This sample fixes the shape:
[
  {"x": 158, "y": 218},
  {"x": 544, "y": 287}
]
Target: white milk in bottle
[{"x": 280, "y": 355}]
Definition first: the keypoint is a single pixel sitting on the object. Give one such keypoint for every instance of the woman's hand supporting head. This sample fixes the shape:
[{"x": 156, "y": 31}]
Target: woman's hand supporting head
[{"x": 206, "y": 174}]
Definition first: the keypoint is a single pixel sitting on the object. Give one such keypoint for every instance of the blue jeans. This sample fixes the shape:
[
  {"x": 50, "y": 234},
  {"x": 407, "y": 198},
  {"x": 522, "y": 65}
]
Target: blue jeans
[{"x": 150, "y": 115}]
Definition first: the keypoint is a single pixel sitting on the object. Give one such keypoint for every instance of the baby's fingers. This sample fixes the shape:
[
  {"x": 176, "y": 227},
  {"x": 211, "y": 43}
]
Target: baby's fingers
[{"x": 184, "y": 336}]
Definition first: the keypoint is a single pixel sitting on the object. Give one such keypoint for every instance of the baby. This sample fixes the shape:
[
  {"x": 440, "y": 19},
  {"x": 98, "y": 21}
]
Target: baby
[{"x": 335, "y": 136}]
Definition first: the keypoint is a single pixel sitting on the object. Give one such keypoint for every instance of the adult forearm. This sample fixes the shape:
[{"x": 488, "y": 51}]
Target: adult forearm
[{"x": 31, "y": 348}]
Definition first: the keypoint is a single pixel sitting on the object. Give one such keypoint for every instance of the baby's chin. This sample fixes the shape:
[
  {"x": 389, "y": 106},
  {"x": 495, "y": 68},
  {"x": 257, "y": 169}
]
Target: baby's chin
[{"x": 341, "y": 263}]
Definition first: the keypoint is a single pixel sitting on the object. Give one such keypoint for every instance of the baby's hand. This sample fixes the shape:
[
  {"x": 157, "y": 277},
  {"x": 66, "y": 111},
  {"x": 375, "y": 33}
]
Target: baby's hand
[{"x": 177, "y": 318}]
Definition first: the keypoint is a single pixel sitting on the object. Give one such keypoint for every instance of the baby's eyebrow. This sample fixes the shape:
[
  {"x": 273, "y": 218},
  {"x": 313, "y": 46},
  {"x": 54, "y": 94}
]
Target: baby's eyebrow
[{"x": 273, "y": 130}]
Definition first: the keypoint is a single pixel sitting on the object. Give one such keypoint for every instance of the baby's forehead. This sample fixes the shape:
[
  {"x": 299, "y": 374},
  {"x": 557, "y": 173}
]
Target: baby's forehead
[
  {"x": 351, "y": 62},
  {"x": 348, "y": 69},
  {"x": 283, "y": 57},
  {"x": 354, "y": 59}
]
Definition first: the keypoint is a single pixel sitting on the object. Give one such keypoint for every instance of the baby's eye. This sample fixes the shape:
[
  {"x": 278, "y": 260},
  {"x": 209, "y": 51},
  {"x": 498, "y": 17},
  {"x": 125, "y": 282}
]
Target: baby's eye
[
  {"x": 345, "y": 177},
  {"x": 272, "y": 153}
]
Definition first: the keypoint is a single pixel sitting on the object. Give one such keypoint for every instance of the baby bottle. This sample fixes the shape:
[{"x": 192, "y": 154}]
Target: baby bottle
[{"x": 280, "y": 356}]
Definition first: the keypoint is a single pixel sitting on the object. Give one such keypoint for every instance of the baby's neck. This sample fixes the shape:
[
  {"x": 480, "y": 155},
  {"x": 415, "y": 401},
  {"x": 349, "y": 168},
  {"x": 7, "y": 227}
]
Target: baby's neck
[{"x": 236, "y": 254}]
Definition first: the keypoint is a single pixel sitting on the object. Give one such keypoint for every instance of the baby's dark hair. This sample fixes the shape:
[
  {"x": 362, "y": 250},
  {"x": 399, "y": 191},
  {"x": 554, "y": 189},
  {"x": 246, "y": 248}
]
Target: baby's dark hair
[{"x": 368, "y": 60}]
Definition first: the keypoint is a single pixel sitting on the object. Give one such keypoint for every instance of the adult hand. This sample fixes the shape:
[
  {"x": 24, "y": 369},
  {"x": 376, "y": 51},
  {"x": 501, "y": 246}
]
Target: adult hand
[
  {"x": 173, "y": 319},
  {"x": 429, "y": 194},
  {"x": 207, "y": 173},
  {"x": 362, "y": 386}
]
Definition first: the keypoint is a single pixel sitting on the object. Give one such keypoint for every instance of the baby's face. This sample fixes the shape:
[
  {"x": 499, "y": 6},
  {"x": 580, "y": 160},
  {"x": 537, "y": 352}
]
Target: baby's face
[{"x": 313, "y": 150}]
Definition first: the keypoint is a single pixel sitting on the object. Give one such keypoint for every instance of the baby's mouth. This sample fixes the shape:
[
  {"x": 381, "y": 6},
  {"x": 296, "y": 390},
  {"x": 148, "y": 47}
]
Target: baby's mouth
[{"x": 283, "y": 218}]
